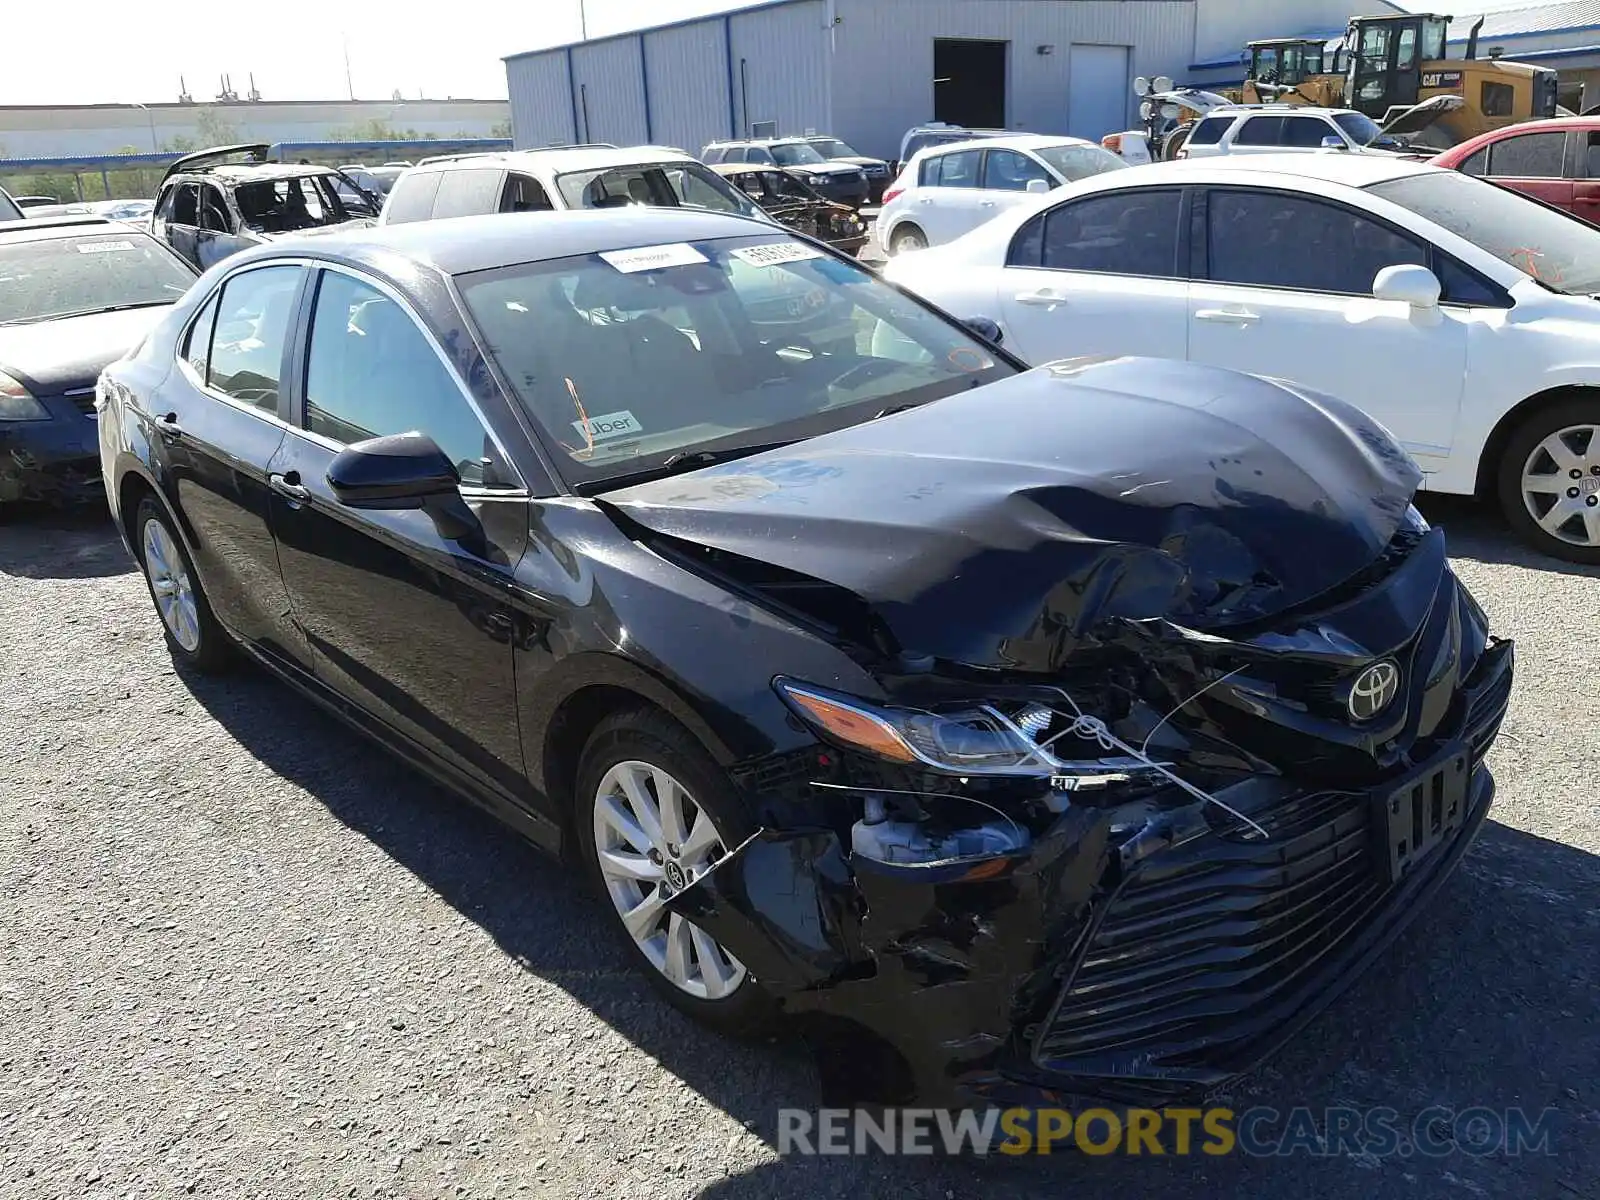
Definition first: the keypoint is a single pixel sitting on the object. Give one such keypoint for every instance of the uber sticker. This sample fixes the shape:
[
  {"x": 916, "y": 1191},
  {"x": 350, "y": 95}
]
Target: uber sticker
[
  {"x": 103, "y": 247},
  {"x": 649, "y": 258},
  {"x": 608, "y": 426},
  {"x": 775, "y": 254}
]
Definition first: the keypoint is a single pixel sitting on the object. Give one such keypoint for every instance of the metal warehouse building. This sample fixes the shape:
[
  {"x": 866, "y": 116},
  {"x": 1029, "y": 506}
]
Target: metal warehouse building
[{"x": 867, "y": 70}]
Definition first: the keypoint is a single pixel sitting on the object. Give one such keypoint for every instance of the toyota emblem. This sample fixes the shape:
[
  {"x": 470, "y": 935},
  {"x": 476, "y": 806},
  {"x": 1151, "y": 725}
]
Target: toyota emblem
[{"x": 1374, "y": 690}]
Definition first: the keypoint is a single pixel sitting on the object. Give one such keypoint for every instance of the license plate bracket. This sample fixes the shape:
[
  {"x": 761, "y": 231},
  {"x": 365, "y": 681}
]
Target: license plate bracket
[{"x": 1413, "y": 818}]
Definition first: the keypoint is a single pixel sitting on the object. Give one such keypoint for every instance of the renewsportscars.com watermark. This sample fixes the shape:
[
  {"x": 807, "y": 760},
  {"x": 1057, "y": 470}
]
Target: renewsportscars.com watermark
[{"x": 1258, "y": 1132}]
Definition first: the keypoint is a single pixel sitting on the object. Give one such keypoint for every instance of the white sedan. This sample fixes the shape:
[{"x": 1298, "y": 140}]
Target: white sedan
[{"x": 1461, "y": 315}]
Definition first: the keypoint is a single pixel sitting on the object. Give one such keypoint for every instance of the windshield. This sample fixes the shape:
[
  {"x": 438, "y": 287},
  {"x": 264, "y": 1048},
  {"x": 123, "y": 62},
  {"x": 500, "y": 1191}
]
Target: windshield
[
  {"x": 1543, "y": 243},
  {"x": 834, "y": 148},
  {"x": 654, "y": 185},
  {"x": 111, "y": 267},
  {"x": 1080, "y": 162},
  {"x": 629, "y": 358},
  {"x": 285, "y": 205},
  {"x": 796, "y": 154}
]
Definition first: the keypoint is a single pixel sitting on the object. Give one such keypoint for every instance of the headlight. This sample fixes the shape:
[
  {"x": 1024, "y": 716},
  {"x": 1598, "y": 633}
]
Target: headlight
[
  {"x": 17, "y": 403},
  {"x": 981, "y": 740}
]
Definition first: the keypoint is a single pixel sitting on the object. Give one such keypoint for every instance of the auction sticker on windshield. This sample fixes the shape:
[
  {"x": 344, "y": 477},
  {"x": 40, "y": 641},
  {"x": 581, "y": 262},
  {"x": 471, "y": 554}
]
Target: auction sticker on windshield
[
  {"x": 103, "y": 247},
  {"x": 775, "y": 254},
  {"x": 650, "y": 258}
]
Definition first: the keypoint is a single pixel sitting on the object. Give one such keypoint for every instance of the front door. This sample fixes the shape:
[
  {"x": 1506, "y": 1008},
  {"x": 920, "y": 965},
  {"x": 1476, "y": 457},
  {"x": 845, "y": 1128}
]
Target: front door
[
  {"x": 177, "y": 219},
  {"x": 216, "y": 237},
  {"x": 411, "y": 625},
  {"x": 1100, "y": 275},
  {"x": 224, "y": 392},
  {"x": 1289, "y": 296}
]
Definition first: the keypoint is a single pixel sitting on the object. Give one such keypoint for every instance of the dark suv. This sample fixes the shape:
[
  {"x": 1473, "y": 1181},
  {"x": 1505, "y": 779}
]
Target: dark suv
[
  {"x": 843, "y": 182},
  {"x": 210, "y": 205}
]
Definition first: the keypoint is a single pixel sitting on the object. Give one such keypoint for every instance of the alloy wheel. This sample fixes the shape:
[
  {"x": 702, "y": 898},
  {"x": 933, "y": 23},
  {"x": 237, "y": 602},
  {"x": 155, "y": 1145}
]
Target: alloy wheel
[
  {"x": 652, "y": 840},
  {"x": 170, "y": 585},
  {"x": 1561, "y": 485}
]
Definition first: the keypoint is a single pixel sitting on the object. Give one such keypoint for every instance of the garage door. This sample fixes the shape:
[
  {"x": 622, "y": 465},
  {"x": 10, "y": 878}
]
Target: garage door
[{"x": 1099, "y": 91}]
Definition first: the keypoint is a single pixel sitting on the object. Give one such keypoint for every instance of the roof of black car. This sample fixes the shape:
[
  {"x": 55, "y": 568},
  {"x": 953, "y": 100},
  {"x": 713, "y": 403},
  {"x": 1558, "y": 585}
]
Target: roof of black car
[
  {"x": 38, "y": 229},
  {"x": 458, "y": 245}
]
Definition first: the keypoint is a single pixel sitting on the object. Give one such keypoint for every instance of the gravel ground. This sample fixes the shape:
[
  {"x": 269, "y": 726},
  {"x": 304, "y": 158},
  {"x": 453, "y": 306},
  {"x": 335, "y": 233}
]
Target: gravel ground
[{"x": 245, "y": 954}]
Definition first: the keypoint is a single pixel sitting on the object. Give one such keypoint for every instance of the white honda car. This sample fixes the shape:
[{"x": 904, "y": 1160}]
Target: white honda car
[{"x": 1461, "y": 315}]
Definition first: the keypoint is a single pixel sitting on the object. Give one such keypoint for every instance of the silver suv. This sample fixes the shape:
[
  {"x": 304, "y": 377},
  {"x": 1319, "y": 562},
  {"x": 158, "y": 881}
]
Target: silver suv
[{"x": 1275, "y": 128}]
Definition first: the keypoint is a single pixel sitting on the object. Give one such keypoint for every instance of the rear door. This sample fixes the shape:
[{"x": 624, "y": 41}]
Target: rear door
[
  {"x": 1535, "y": 164},
  {"x": 413, "y": 627},
  {"x": 217, "y": 237},
  {"x": 1285, "y": 290},
  {"x": 950, "y": 195},
  {"x": 1257, "y": 135},
  {"x": 1103, "y": 274}
]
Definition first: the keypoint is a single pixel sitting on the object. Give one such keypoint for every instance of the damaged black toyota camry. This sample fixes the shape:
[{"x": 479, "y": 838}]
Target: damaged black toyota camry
[{"x": 1074, "y": 732}]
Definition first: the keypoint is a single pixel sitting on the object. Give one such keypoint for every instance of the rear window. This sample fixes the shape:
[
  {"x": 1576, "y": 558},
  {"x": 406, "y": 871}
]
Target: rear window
[
  {"x": 411, "y": 199},
  {"x": 104, "y": 269},
  {"x": 468, "y": 193}
]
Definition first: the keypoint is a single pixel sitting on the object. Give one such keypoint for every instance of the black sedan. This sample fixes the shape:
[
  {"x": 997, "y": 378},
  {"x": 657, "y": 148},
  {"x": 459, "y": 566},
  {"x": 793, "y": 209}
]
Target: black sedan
[
  {"x": 75, "y": 293},
  {"x": 1085, "y": 728}
]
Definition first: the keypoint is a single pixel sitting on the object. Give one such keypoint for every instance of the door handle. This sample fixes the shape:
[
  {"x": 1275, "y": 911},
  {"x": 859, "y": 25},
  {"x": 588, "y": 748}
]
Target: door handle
[
  {"x": 1043, "y": 297},
  {"x": 1227, "y": 316},
  {"x": 925, "y": 200},
  {"x": 168, "y": 428},
  {"x": 288, "y": 486},
  {"x": 986, "y": 204}
]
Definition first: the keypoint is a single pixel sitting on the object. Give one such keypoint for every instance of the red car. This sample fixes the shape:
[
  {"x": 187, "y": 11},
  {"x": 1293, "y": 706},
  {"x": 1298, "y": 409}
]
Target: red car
[{"x": 1557, "y": 161}]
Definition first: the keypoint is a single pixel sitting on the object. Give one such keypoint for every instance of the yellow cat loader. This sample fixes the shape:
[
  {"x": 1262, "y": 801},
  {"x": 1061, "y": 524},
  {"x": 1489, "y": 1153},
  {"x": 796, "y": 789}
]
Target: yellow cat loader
[{"x": 1386, "y": 64}]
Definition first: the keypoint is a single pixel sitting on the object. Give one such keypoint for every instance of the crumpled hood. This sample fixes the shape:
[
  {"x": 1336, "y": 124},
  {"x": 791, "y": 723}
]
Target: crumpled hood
[
  {"x": 1040, "y": 505},
  {"x": 56, "y": 356}
]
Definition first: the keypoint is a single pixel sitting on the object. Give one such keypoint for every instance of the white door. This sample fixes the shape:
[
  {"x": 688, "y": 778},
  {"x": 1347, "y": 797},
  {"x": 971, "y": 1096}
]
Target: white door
[
  {"x": 1098, "y": 276},
  {"x": 1098, "y": 91},
  {"x": 1289, "y": 295},
  {"x": 950, "y": 196}
]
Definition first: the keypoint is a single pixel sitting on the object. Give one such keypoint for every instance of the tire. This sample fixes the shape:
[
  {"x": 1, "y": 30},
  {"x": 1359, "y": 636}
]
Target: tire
[
  {"x": 194, "y": 636},
  {"x": 647, "y": 739},
  {"x": 906, "y": 237},
  {"x": 1568, "y": 431}
]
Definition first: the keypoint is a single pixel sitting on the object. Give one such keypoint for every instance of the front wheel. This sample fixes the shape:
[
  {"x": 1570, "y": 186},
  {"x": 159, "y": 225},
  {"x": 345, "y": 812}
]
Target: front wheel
[
  {"x": 1550, "y": 480},
  {"x": 654, "y": 812},
  {"x": 193, "y": 635},
  {"x": 907, "y": 238}
]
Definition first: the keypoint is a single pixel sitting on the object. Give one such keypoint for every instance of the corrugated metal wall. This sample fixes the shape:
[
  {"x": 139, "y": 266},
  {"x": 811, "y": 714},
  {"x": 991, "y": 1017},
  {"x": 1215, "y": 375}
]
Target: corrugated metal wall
[
  {"x": 883, "y": 67},
  {"x": 608, "y": 82},
  {"x": 780, "y": 63},
  {"x": 541, "y": 102},
  {"x": 689, "y": 85}
]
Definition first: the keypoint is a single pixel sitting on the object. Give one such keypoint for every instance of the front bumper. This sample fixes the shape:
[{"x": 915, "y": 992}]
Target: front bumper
[
  {"x": 1102, "y": 962},
  {"x": 55, "y": 461}
]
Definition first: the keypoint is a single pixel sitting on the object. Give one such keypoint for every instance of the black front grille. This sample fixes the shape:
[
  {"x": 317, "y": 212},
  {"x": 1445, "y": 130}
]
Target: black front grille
[
  {"x": 1205, "y": 942},
  {"x": 82, "y": 401}
]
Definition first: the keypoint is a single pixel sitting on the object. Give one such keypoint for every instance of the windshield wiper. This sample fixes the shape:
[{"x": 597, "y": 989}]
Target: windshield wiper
[
  {"x": 692, "y": 459},
  {"x": 85, "y": 312}
]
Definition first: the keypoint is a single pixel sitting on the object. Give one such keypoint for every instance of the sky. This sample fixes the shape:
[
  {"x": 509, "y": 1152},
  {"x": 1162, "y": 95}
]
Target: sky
[{"x": 114, "y": 52}]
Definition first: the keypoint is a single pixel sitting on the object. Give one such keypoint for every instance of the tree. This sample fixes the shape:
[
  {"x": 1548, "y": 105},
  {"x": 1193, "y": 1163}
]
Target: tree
[{"x": 500, "y": 129}]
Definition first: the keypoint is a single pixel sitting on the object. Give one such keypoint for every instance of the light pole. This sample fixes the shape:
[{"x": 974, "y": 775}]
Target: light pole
[
  {"x": 151, "y": 118},
  {"x": 583, "y": 20}
]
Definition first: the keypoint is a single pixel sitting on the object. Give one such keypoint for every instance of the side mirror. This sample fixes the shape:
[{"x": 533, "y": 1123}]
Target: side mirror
[
  {"x": 1038, "y": 187},
  {"x": 1413, "y": 285},
  {"x": 985, "y": 328},
  {"x": 404, "y": 470},
  {"x": 1334, "y": 142}
]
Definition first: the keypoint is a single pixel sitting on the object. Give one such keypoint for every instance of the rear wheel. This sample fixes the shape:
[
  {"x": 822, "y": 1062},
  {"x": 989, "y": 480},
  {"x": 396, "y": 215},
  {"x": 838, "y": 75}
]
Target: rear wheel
[
  {"x": 1550, "y": 480},
  {"x": 193, "y": 635},
  {"x": 906, "y": 238},
  {"x": 654, "y": 812}
]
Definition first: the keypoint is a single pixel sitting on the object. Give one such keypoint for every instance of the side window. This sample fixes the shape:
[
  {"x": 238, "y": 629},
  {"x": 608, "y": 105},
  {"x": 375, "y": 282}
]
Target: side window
[
  {"x": 411, "y": 198},
  {"x": 1209, "y": 132},
  {"x": 1027, "y": 246},
  {"x": 371, "y": 371},
  {"x": 1476, "y": 163},
  {"x": 712, "y": 155},
  {"x": 166, "y": 203},
  {"x": 253, "y": 318},
  {"x": 1591, "y": 156},
  {"x": 1270, "y": 240},
  {"x": 1307, "y": 132},
  {"x": 960, "y": 170},
  {"x": 1406, "y": 54},
  {"x": 467, "y": 193},
  {"x": 1497, "y": 99},
  {"x": 1528, "y": 156},
  {"x": 1010, "y": 172},
  {"x": 1259, "y": 131},
  {"x": 928, "y": 173},
  {"x": 523, "y": 193},
  {"x": 1459, "y": 285},
  {"x": 197, "y": 346},
  {"x": 760, "y": 154},
  {"x": 186, "y": 207},
  {"x": 1121, "y": 233},
  {"x": 214, "y": 210}
]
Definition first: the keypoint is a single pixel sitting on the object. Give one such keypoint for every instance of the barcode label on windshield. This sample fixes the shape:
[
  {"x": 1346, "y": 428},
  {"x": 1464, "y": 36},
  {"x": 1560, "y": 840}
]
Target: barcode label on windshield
[
  {"x": 775, "y": 254},
  {"x": 650, "y": 258},
  {"x": 103, "y": 247}
]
